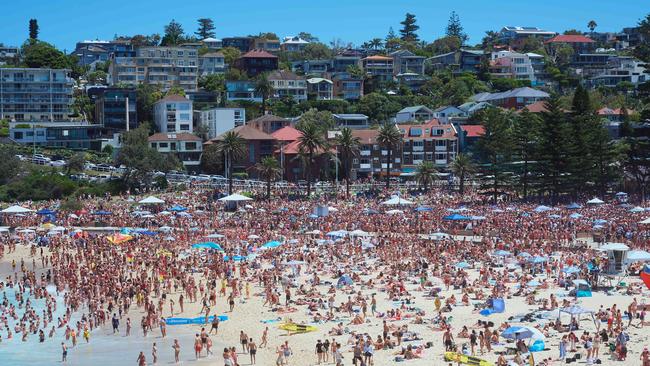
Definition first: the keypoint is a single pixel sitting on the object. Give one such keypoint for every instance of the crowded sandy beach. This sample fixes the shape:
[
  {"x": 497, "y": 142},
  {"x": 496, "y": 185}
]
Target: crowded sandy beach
[{"x": 432, "y": 279}]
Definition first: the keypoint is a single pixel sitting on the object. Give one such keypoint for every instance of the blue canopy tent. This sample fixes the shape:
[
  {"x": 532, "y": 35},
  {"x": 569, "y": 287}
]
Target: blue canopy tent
[
  {"x": 207, "y": 245},
  {"x": 497, "y": 306},
  {"x": 423, "y": 209},
  {"x": 571, "y": 270},
  {"x": 178, "y": 208},
  {"x": 538, "y": 259},
  {"x": 573, "y": 206},
  {"x": 583, "y": 288},
  {"x": 271, "y": 245},
  {"x": 456, "y": 217},
  {"x": 344, "y": 280},
  {"x": 45, "y": 211},
  {"x": 235, "y": 258},
  {"x": 542, "y": 208},
  {"x": 102, "y": 213},
  {"x": 462, "y": 265}
]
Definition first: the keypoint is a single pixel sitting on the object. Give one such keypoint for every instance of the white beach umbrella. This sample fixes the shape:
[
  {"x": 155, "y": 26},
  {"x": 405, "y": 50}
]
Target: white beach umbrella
[
  {"x": 235, "y": 197},
  {"x": 16, "y": 210},
  {"x": 151, "y": 200}
]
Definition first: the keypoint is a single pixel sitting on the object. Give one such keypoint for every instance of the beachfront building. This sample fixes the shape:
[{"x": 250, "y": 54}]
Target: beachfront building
[
  {"x": 351, "y": 120},
  {"x": 347, "y": 87},
  {"x": 220, "y": 120},
  {"x": 212, "y": 43},
  {"x": 320, "y": 89},
  {"x": 68, "y": 135},
  {"x": 186, "y": 146},
  {"x": 164, "y": 66},
  {"x": 35, "y": 94},
  {"x": 293, "y": 44},
  {"x": 372, "y": 159},
  {"x": 431, "y": 141},
  {"x": 212, "y": 63},
  {"x": 259, "y": 145},
  {"x": 173, "y": 114},
  {"x": 417, "y": 113},
  {"x": 256, "y": 62},
  {"x": 448, "y": 113},
  {"x": 111, "y": 107},
  {"x": 8, "y": 55},
  {"x": 511, "y": 65},
  {"x": 268, "y": 45},
  {"x": 514, "y": 36},
  {"x": 91, "y": 52},
  {"x": 287, "y": 84},
  {"x": 269, "y": 123},
  {"x": 379, "y": 68},
  {"x": 579, "y": 43},
  {"x": 243, "y": 44}
]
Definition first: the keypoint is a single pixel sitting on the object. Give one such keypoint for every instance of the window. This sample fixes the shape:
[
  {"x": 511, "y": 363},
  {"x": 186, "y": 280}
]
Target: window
[
  {"x": 153, "y": 145},
  {"x": 163, "y": 145},
  {"x": 179, "y": 53},
  {"x": 29, "y": 134},
  {"x": 171, "y": 107},
  {"x": 419, "y": 143},
  {"x": 172, "y": 146},
  {"x": 441, "y": 157},
  {"x": 185, "y": 127},
  {"x": 184, "y": 117},
  {"x": 18, "y": 135},
  {"x": 190, "y": 146},
  {"x": 184, "y": 106},
  {"x": 40, "y": 133},
  {"x": 251, "y": 153},
  {"x": 441, "y": 143}
]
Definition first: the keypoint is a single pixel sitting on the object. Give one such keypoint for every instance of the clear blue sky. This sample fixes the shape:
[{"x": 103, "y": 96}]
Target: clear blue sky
[{"x": 64, "y": 22}]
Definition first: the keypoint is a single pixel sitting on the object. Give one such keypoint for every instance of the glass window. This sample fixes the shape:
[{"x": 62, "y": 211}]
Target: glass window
[
  {"x": 185, "y": 127},
  {"x": 190, "y": 146},
  {"x": 184, "y": 106},
  {"x": 185, "y": 117},
  {"x": 163, "y": 144}
]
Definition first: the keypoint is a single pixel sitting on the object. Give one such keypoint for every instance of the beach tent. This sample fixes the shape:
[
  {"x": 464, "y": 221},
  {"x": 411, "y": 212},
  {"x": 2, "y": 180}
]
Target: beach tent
[
  {"x": 177, "y": 208},
  {"x": 344, "y": 280},
  {"x": 536, "y": 337},
  {"x": 462, "y": 265},
  {"x": 397, "y": 201},
  {"x": 456, "y": 217},
  {"x": 423, "y": 209},
  {"x": 16, "y": 210},
  {"x": 638, "y": 256},
  {"x": 45, "y": 211},
  {"x": 394, "y": 212},
  {"x": 207, "y": 245},
  {"x": 151, "y": 200},
  {"x": 542, "y": 208},
  {"x": 646, "y": 221},
  {"x": 583, "y": 288},
  {"x": 595, "y": 201},
  {"x": 271, "y": 245},
  {"x": 102, "y": 213},
  {"x": 359, "y": 233},
  {"x": 498, "y": 306},
  {"x": 235, "y": 197},
  {"x": 573, "y": 206},
  {"x": 575, "y": 312}
]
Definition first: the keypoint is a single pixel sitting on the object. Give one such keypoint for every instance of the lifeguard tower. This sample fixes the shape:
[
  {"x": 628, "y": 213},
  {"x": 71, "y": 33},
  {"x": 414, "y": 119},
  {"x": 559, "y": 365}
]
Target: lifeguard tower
[{"x": 616, "y": 268}]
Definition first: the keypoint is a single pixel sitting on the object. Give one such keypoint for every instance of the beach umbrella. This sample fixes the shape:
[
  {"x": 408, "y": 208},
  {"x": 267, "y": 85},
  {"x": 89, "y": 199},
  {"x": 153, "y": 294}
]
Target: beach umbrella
[
  {"x": 575, "y": 215},
  {"x": 462, "y": 265},
  {"x": 151, "y": 200},
  {"x": 183, "y": 214},
  {"x": 646, "y": 221},
  {"x": 369, "y": 211},
  {"x": 595, "y": 201},
  {"x": 638, "y": 256},
  {"x": 525, "y": 255},
  {"x": 573, "y": 206},
  {"x": 45, "y": 211},
  {"x": 423, "y": 209},
  {"x": 215, "y": 236},
  {"x": 235, "y": 197},
  {"x": 394, "y": 212},
  {"x": 538, "y": 259},
  {"x": 313, "y": 216},
  {"x": 16, "y": 210},
  {"x": 614, "y": 246},
  {"x": 600, "y": 222},
  {"x": 271, "y": 245},
  {"x": 170, "y": 238},
  {"x": 344, "y": 280},
  {"x": 517, "y": 333},
  {"x": 359, "y": 232},
  {"x": 165, "y": 229},
  {"x": 637, "y": 209},
  {"x": 397, "y": 201},
  {"x": 177, "y": 208},
  {"x": 332, "y": 209},
  {"x": 456, "y": 217},
  {"x": 337, "y": 234},
  {"x": 208, "y": 245},
  {"x": 102, "y": 213},
  {"x": 554, "y": 216},
  {"x": 571, "y": 270},
  {"x": 542, "y": 208},
  {"x": 26, "y": 231},
  {"x": 502, "y": 253},
  {"x": 313, "y": 232},
  {"x": 253, "y": 236}
]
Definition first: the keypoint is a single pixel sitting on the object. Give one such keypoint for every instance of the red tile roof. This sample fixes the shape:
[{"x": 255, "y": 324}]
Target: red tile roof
[
  {"x": 473, "y": 130},
  {"x": 287, "y": 133},
  {"x": 248, "y": 133},
  {"x": 570, "y": 38},
  {"x": 366, "y": 137},
  {"x": 172, "y": 136},
  {"x": 378, "y": 58},
  {"x": 409, "y": 131},
  {"x": 605, "y": 111},
  {"x": 258, "y": 54},
  {"x": 537, "y": 107}
]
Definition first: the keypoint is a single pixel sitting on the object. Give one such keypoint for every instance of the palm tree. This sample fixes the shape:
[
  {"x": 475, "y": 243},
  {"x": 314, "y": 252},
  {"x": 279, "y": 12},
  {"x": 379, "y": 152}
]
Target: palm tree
[
  {"x": 233, "y": 147},
  {"x": 310, "y": 142},
  {"x": 376, "y": 43},
  {"x": 592, "y": 25},
  {"x": 348, "y": 146},
  {"x": 424, "y": 174},
  {"x": 269, "y": 169},
  {"x": 389, "y": 137},
  {"x": 463, "y": 168},
  {"x": 264, "y": 88}
]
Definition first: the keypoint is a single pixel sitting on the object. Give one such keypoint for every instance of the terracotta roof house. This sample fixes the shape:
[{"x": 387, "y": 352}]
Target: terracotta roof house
[
  {"x": 580, "y": 43},
  {"x": 259, "y": 145},
  {"x": 431, "y": 141},
  {"x": 269, "y": 123},
  {"x": 255, "y": 62},
  {"x": 613, "y": 115},
  {"x": 287, "y": 133},
  {"x": 537, "y": 107},
  {"x": 469, "y": 136}
]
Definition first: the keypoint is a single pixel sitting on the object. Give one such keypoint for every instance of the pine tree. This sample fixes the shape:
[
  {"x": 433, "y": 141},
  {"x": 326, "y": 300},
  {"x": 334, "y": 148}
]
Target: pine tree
[
  {"x": 455, "y": 29},
  {"x": 173, "y": 34},
  {"x": 33, "y": 29},
  {"x": 391, "y": 34},
  {"x": 495, "y": 149},
  {"x": 409, "y": 28},
  {"x": 526, "y": 137},
  {"x": 206, "y": 28},
  {"x": 554, "y": 150}
]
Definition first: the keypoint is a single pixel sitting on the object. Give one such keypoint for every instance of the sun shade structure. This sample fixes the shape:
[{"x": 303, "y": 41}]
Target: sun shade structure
[
  {"x": 151, "y": 200},
  {"x": 207, "y": 245},
  {"x": 16, "y": 210},
  {"x": 397, "y": 201},
  {"x": 595, "y": 201},
  {"x": 456, "y": 217},
  {"x": 235, "y": 197}
]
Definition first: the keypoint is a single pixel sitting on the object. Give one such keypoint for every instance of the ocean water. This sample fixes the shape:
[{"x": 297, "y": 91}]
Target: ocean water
[{"x": 104, "y": 348}]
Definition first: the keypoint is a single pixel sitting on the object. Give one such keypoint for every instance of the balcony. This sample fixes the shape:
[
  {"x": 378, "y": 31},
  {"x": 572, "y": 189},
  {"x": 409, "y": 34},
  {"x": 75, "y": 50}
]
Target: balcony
[
  {"x": 441, "y": 148},
  {"x": 418, "y": 148},
  {"x": 441, "y": 161},
  {"x": 365, "y": 152},
  {"x": 365, "y": 166}
]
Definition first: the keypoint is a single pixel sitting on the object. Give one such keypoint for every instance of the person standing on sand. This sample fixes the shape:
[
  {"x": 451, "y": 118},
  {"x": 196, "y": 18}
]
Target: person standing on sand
[
  {"x": 64, "y": 352},
  {"x": 154, "y": 353},
  {"x": 252, "y": 350},
  {"x": 142, "y": 361},
  {"x": 177, "y": 350},
  {"x": 264, "y": 338},
  {"x": 215, "y": 325}
]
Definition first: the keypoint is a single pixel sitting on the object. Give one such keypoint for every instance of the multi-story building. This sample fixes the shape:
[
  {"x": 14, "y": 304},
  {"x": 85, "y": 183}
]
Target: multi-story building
[
  {"x": 35, "y": 94},
  {"x": 405, "y": 61},
  {"x": 293, "y": 44},
  {"x": 380, "y": 68},
  {"x": 242, "y": 90},
  {"x": 513, "y": 36},
  {"x": 220, "y": 120},
  {"x": 341, "y": 63},
  {"x": 269, "y": 123},
  {"x": 244, "y": 44},
  {"x": 212, "y": 43},
  {"x": 448, "y": 114},
  {"x": 77, "y": 135},
  {"x": 212, "y": 63},
  {"x": 414, "y": 114},
  {"x": 347, "y": 87},
  {"x": 314, "y": 68},
  {"x": 511, "y": 65},
  {"x": 111, "y": 106},
  {"x": 320, "y": 89},
  {"x": 164, "y": 66},
  {"x": 256, "y": 62},
  {"x": 89, "y": 52},
  {"x": 259, "y": 145},
  {"x": 372, "y": 158},
  {"x": 286, "y": 83},
  {"x": 173, "y": 114},
  {"x": 431, "y": 141},
  {"x": 621, "y": 69},
  {"x": 186, "y": 146},
  {"x": 460, "y": 61},
  {"x": 512, "y": 99},
  {"x": 268, "y": 45},
  {"x": 8, "y": 54}
]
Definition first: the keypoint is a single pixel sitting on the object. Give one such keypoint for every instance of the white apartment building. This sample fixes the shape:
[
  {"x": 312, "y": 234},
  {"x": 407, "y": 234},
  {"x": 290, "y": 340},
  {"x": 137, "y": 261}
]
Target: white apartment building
[
  {"x": 514, "y": 65},
  {"x": 286, "y": 83},
  {"x": 220, "y": 120},
  {"x": 173, "y": 114},
  {"x": 212, "y": 63}
]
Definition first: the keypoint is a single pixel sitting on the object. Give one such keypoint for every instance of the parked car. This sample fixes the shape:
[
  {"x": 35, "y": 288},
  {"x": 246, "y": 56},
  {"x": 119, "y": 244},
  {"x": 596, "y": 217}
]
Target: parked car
[{"x": 57, "y": 163}]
